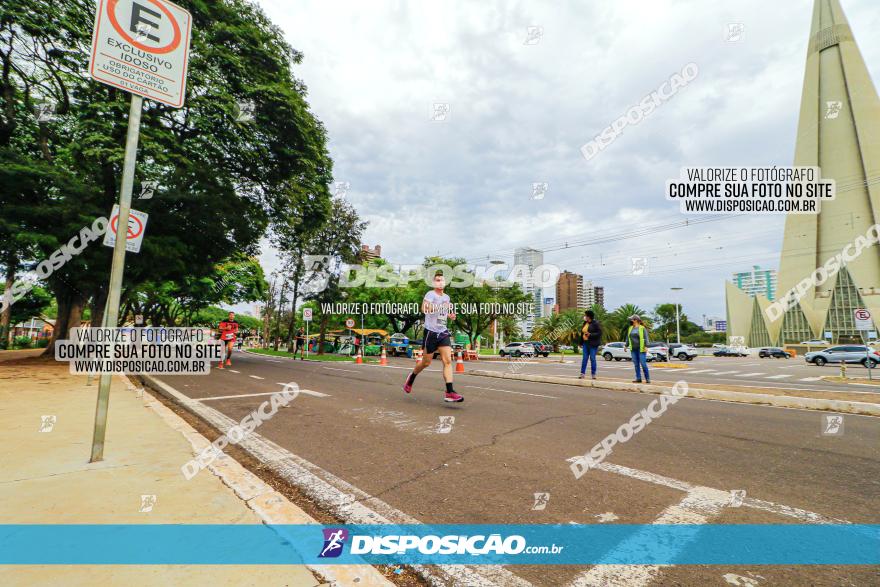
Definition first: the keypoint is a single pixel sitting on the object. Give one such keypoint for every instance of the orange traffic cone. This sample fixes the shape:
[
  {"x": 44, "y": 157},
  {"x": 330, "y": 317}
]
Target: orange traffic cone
[
  {"x": 459, "y": 364},
  {"x": 359, "y": 360},
  {"x": 383, "y": 359}
]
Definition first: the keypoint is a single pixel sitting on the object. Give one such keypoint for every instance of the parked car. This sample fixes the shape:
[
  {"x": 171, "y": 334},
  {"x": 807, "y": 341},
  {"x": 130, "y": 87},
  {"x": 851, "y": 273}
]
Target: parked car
[
  {"x": 774, "y": 352},
  {"x": 854, "y": 353},
  {"x": 540, "y": 348},
  {"x": 660, "y": 349},
  {"x": 816, "y": 342},
  {"x": 729, "y": 351},
  {"x": 682, "y": 352},
  {"x": 565, "y": 347},
  {"x": 616, "y": 351},
  {"x": 518, "y": 349}
]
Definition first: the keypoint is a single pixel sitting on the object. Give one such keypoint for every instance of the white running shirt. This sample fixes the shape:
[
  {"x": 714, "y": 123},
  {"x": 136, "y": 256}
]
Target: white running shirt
[{"x": 436, "y": 321}]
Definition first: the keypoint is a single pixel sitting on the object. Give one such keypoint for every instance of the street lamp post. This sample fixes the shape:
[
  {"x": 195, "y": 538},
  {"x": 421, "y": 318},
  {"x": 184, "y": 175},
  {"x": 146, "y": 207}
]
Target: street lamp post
[{"x": 677, "y": 325}]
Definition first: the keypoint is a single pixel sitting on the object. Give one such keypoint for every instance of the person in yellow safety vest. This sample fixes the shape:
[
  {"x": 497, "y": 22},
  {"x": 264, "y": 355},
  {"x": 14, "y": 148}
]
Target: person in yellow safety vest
[{"x": 637, "y": 341}]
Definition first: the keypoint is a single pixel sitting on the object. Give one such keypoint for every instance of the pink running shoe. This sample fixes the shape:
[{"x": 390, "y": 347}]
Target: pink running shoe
[
  {"x": 453, "y": 397},
  {"x": 407, "y": 385}
]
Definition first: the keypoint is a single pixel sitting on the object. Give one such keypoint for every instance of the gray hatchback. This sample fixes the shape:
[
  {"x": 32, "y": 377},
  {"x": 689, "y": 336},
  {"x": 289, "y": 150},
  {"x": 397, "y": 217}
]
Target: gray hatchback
[{"x": 853, "y": 353}]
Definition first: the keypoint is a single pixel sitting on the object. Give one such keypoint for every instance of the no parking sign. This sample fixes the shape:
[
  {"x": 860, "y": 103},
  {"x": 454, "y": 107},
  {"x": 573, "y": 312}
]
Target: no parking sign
[
  {"x": 141, "y": 46},
  {"x": 137, "y": 223}
]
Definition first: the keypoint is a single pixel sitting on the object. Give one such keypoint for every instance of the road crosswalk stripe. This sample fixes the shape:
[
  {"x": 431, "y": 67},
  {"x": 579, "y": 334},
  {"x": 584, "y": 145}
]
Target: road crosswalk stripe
[
  {"x": 783, "y": 376},
  {"x": 810, "y": 379},
  {"x": 750, "y": 374}
]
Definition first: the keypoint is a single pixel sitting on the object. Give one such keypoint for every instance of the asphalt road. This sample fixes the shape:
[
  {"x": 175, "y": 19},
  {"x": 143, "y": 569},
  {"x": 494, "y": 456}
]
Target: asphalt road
[
  {"x": 511, "y": 439},
  {"x": 748, "y": 372}
]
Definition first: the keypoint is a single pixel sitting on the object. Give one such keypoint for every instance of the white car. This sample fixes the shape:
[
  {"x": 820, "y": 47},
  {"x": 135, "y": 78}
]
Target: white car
[
  {"x": 616, "y": 351},
  {"x": 518, "y": 349}
]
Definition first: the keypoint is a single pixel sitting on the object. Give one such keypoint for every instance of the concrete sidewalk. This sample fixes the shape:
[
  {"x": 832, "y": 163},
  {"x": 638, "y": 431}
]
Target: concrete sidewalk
[{"x": 46, "y": 420}]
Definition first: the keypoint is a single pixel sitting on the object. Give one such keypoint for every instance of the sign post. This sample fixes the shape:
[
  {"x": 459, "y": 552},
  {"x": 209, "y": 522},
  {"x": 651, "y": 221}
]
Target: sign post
[
  {"x": 349, "y": 323},
  {"x": 307, "y": 318},
  {"x": 142, "y": 47},
  {"x": 864, "y": 324}
]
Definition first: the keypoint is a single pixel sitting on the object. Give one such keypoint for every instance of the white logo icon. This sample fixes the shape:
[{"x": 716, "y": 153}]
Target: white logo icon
[
  {"x": 832, "y": 109},
  {"x": 735, "y": 32},
  {"x": 147, "y": 189},
  {"x": 45, "y": 112},
  {"x": 440, "y": 111},
  {"x": 832, "y": 425},
  {"x": 736, "y": 497},
  {"x": 245, "y": 111},
  {"x": 639, "y": 265},
  {"x": 534, "y": 35},
  {"x": 445, "y": 425},
  {"x": 47, "y": 423},
  {"x": 317, "y": 275},
  {"x": 147, "y": 503},
  {"x": 539, "y": 190},
  {"x": 340, "y": 188},
  {"x": 541, "y": 500}
]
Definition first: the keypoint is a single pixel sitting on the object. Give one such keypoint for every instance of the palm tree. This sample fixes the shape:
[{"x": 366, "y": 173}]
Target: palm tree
[
  {"x": 557, "y": 329},
  {"x": 618, "y": 321}
]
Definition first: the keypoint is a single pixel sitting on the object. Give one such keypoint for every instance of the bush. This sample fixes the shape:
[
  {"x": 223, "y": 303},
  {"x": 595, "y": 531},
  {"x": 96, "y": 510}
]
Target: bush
[
  {"x": 41, "y": 343},
  {"x": 21, "y": 342}
]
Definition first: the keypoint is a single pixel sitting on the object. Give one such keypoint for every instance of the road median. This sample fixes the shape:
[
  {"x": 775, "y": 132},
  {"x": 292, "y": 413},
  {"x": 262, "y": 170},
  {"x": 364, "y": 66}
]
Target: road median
[{"x": 729, "y": 395}]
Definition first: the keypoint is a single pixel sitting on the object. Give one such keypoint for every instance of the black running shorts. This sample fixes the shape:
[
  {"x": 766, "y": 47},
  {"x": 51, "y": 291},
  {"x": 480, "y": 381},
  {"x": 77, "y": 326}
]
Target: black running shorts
[{"x": 435, "y": 340}]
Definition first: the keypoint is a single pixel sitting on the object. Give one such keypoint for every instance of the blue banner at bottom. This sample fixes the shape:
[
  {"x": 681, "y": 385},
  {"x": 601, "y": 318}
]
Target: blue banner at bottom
[{"x": 570, "y": 544}]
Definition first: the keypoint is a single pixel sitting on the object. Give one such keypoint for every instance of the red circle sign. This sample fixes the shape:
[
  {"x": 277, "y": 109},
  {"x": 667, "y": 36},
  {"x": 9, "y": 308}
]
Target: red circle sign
[
  {"x": 863, "y": 315},
  {"x": 111, "y": 14},
  {"x": 133, "y": 231},
  {"x": 349, "y": 323}
]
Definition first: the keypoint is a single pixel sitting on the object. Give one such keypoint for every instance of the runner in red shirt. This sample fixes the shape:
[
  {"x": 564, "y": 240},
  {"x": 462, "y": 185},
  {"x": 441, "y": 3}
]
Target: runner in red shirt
[{"x": 228, "y": 331}]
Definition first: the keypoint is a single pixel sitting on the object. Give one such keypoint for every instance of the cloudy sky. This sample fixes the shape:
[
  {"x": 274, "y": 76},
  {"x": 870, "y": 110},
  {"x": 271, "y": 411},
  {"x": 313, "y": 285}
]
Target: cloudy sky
[{"x": 519, "y": 112}]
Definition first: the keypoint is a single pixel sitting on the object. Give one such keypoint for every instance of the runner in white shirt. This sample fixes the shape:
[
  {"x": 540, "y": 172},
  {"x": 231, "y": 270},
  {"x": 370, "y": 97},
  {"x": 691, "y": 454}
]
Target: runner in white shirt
[{"x": 438, "y": 310}]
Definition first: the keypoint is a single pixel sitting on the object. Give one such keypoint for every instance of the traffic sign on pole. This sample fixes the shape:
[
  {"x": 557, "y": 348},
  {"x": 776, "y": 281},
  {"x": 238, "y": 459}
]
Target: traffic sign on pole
[
  {"x": 863, "y": 319},
  {"x": 137, "y": 222},
  {"x": 349, "y": 323},
  {"x": 307, "y": 314},
  {"x": 142, "y": 47}
]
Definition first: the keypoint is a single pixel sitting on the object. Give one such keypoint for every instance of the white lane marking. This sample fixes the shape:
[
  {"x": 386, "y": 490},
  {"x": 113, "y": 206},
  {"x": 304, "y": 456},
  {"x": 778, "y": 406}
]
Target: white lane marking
[
  {"x": 234, "y": 371},
  {"x": 702, "y": 371},
  {"x": 508, "y": 391},
  {"x": 699, "y": 506},
  {"x": 273, "y": 361},
  {"x": 256, "y": 377},
  {"x": 726, "y": 372},
  {"x": 350, "y": 504},
  {"x": 810, "y": 379},
  {"x": 783, "y": 376},
  {"x": 751, "y": 374},
  {"x": 337, "y": 369},
  {"x": 305, "y": 391},
  {"x": 784, "y": 510},
  {"x": 309, "y": 391}
]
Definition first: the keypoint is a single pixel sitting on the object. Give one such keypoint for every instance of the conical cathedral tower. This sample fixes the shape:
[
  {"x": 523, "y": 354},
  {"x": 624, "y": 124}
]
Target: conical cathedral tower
[{"x": 838, "y": 131}]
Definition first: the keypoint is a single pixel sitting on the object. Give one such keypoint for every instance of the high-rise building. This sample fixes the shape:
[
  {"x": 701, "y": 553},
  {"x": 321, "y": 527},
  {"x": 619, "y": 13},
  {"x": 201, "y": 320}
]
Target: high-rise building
[
  {"x": 368, "y": 254},
  {"x": 528, "y": 258},
  {"x": 573, "y": 292},
  {"x": 593, "y": 295},
  {"x": 570, "y": 291},
  {"x": 838, "y": 132},
  {"x": 757, "y": 281}
]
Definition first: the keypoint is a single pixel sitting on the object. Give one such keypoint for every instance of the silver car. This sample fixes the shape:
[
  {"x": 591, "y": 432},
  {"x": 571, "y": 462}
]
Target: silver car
[
  {"x": 851, "y": 353},
  {"x": 518, "y": 349}
]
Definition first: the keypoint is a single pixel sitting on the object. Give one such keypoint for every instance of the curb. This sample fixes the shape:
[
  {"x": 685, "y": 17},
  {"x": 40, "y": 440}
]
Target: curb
[
  {"x": 781, "y": 401},
  {"x": 272, "y": 507}
]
